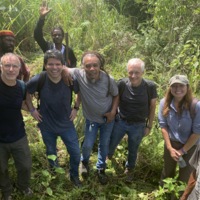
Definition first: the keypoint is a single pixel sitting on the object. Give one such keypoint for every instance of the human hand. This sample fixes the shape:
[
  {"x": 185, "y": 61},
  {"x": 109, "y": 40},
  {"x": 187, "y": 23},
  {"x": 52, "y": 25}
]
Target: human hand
[
  {"x": 44, "y": 10},
  {"x": 174, "y": 154},
  {"x": 73, "y": 114},
  {"x": 147, "y": 131},
  {"x": 36, "y": 115},
  {"x": 66, "y": 76},
  {"x": 110, "y": 116}
]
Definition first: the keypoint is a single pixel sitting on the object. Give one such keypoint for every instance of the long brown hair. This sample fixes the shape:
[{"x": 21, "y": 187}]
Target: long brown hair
[{"x": 185, "y": 102}]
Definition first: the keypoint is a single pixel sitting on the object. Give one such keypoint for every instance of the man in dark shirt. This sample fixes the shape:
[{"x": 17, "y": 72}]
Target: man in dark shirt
[
  {"x": 13, "y": 140},
  {"x": 7, "y": 44},
  {"x": 56, "y": 115},
  {"x": 135, "y": 112},
  {"x": 57, "y": 35}
]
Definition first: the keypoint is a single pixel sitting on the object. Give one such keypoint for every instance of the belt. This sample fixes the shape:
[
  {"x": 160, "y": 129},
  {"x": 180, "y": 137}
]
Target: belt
[{"x": 132, "y": 121}]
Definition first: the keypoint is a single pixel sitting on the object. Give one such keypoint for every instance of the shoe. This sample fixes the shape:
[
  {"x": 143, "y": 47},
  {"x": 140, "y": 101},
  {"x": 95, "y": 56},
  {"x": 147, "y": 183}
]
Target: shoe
[
  {"x": 103, "y": 179},
  {"x": 27, "y": 192},
  {"x": 109, "y": 157},
  {"x": 129, "y": 175},
  {"x": 76, "y": 181},
  {"x": 84, "y": 170},
  {"x": 6, "y": 197}
]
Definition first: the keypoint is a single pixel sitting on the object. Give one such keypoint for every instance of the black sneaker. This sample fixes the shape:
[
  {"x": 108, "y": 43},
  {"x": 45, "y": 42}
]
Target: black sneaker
[
  {"x": 129, "y": 175},
  {"x": 76, "y": 181},
  {"x": 103, "y": 179},
  {"x": 84, "y": 170},
  {"x": 6, "y": 197}
]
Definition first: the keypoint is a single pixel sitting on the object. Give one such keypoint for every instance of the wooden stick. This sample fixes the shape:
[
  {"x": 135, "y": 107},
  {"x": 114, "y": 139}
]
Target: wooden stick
[{"x": 67, "y": 49}]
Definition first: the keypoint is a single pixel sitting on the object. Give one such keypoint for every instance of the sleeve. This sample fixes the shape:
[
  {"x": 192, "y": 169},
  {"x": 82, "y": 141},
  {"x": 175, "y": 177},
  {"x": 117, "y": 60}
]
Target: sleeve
[
  {"x": 113, "y": 87},
  {"x": 32, "y": 84},
  {"x": 153, "y": 90},
  {"x": 38, "y": 35},
  {"x": 196, "y": 120},
  {"x": 161, "y": 119}
]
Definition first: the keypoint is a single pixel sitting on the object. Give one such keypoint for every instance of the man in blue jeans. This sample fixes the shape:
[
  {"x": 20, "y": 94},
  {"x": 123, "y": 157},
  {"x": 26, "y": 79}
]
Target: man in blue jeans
[
  {"x": 135, "y": 112},
  {"x": 99, "y": 98},
  {"x": 56, "y": 115}
]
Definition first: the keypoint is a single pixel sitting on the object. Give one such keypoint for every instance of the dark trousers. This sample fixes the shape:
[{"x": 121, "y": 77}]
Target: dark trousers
[
  {"x": 20, "y": 152},
  {"x": 170, "y": 164}
]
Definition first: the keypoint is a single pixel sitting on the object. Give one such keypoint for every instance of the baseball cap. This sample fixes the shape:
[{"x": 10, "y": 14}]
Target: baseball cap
[{"x": 182, "y": 79}]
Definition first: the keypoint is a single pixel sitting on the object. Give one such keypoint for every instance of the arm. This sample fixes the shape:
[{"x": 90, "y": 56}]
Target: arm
[
  {"x": 66, "y": 76},
  {"x": 38, "y": 33},
  {"x": 24, "y": 71},
  {"x": 76, "y": 106},
  {"x": 36, "y": 115},
  {"x": 111, "y": 115},
  {"x": 173, "y": 152},
  {"x": 151, "y": 116},
  {"x": 190, "y": 143},
  {"x": 190, "y": 185}
]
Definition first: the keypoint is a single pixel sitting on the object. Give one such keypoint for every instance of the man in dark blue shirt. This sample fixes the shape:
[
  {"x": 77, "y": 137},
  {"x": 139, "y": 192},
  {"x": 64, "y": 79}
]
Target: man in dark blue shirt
[
  {"x": 56, "y": 115},
  {"x": 13, "y": 140}
]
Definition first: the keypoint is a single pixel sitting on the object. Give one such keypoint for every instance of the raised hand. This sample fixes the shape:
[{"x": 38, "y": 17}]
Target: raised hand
[{"x": 44, "y": 10}]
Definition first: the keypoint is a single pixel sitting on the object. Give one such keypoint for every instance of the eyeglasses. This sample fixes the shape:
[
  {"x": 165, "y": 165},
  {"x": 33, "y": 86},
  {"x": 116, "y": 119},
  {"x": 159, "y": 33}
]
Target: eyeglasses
[
  {"x": 95, "y": 65},
  {"x": 8, "y": 66}
]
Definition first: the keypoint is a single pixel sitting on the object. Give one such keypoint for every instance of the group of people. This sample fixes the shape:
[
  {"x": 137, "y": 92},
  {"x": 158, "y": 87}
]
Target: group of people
[{"x": 109, "y": 108}]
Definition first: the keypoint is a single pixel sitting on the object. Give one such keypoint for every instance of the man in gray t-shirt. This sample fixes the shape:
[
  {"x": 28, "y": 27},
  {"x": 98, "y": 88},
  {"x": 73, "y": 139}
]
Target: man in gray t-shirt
[{"x": 99, "y": 97}]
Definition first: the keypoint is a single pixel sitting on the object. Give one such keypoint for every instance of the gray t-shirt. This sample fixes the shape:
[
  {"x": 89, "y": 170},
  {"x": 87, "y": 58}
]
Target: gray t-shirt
[{"x": 95, "y": 102}]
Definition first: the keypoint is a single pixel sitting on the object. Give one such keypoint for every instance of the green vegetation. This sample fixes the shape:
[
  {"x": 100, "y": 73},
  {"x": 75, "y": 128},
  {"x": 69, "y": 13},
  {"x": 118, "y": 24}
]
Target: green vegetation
[{"x": 164, "y": 33}]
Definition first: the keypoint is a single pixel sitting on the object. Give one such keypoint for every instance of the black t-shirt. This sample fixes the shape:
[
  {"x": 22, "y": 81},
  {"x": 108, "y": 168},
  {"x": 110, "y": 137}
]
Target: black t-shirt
[
  {"x": 134, "y": 103},
  {"x": 11, "y": 120}
]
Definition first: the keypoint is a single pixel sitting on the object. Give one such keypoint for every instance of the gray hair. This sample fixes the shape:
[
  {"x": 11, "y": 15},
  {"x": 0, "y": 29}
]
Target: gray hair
[
  {"x": 136, "y": 61},
  {"x": 9, "y": 55}
]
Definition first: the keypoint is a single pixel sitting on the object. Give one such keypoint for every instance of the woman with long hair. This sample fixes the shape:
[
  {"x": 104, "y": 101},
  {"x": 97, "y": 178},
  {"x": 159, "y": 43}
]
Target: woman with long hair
[{"x": 179, "y": 119}]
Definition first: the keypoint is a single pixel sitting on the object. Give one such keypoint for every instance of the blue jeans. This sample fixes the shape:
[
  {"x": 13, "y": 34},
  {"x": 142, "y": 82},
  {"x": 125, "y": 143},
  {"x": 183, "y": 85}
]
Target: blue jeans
[
  {"x": 20, "y": 152},
  {"x": 70, "y": 139},
  {"x": 135, "y": 132},
  {"x": 91, "y": 130}
]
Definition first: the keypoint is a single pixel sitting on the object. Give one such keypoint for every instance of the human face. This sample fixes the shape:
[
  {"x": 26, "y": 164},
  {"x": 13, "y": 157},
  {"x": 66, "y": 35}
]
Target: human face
[
  {"x": 7, "y": 44},
  {"x": 57, "y": 36},
  {"x": 91, "y": 66},
  {"x": 54, "y": 69},
  {"x": 178, "y": 90},
  {"x": 135, "y": 74},
  {"x": 10, "y": 68}
]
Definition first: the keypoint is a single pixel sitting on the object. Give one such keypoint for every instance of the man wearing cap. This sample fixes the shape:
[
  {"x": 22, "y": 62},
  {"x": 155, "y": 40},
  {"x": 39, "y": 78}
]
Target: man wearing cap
[
  {"x": 13, "y": 139},
  {"x": 179, "y": 119},
  {"x": 7, "y": 44}
]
